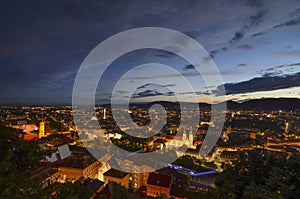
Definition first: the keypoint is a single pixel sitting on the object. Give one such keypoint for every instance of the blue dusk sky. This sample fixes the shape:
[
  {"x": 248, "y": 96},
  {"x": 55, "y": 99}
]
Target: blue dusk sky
[{"x": 255, "y": 45}]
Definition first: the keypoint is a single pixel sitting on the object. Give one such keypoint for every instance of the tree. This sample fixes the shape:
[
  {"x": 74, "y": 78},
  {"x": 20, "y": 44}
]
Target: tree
[
  {"x": 70, "y": 191},
  {"x": 257, "y": 174},
  {"x": 17, "y": 159}
]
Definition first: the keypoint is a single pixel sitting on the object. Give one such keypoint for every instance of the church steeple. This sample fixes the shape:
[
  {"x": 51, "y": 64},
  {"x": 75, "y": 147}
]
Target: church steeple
[
  {"x": 191, "y": 136},
  {"x": 184, "y": 138}
]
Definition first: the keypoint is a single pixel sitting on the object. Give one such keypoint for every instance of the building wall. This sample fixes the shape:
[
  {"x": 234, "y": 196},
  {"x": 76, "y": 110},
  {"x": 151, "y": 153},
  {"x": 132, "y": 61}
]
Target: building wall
[
  {"x": 92, "y": 170},
  {"x": 139, "y": 179},
  {"x": 70, "y": 174},
  {"x": 155, "y": 191},
  {"x": 25, "y": 127},
  {"x": 140, "y": 175},
  {"x": 122, "y": 181},
  {"x": 50, "y": 180},
  {"x": 73, "y": 174}
]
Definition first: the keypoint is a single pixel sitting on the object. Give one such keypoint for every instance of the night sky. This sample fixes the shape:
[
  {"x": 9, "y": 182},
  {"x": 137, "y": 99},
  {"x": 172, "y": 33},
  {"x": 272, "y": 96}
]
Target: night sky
[{"x": 255, "y": 44}]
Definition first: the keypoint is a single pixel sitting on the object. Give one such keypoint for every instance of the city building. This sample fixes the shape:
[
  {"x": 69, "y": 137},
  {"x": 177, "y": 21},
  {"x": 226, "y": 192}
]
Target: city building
[
  {"x": 23, "y": 125},
  {"x": 47, "y": 176},
  {"x": 117, "y": 176},
  {"x": 43, "y": 129},
  {"x": 75, "y": 167},
  {"x": 159, "y": 185},
  {"x": 177, "y": 141}
]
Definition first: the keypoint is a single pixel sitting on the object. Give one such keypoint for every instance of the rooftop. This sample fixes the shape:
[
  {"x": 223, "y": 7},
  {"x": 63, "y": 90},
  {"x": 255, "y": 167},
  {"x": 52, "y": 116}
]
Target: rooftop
[
  {"x": 115, "y": 173},
  {"x": 159, "y": 180}
]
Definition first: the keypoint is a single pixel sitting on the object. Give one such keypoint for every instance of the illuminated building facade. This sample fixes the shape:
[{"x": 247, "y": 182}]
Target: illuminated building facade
[{"x": 43, "y": 129}]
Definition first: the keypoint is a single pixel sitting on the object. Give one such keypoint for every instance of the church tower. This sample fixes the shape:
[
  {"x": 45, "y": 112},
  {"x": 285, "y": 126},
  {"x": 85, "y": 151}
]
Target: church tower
[
  {"x": 184, "y": 136},
  {"x": 43, "y": 128},
  {"x": 191, "y": 138},
  {"x": 104, "y": 113}
]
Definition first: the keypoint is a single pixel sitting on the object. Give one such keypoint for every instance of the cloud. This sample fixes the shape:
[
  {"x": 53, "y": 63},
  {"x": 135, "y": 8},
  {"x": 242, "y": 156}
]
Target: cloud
[
  {"x": 258, "y": 34},
  {"x": 207, "y": 59},
  {"x": 242, "y": 65},
  {"x": 295, "y": 13},
  {"x": 169, "y": 85},
  {"x": 151, "y": 85},
  {"x": 121, "y": 92},
  {"x": 189, "y": 67},
  {"x": 224, "y": 48},
  {"x": 237, "y": 36},
  {"x": 257, "y": 18},
  {"x": 255, "y": 3},
  {"x": 264, "y": 83},
  {"x": 254, "y": 20},
  {"x": 193, "y": 33},
  {"x": 43, "y": 40},
  {"x": 164, "y": 54},
  {"x": 213, "y": 53},
  {"x": 197, "y": 93},
  {"x": 291, "y": 53},
  {"x": 289, "y": 47},
  {"x": 153, "y": 90},
  {"x": 152, "y": 93},
  {"x": 280, "y": 69},
  {"x": 293, "y": 22},
  {"x": 246, "y": 47}
]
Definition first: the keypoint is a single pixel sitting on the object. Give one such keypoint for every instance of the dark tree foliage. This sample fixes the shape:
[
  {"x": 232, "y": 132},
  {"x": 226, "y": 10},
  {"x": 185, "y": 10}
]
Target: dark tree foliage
[
  {"x": 17, "y": 159},
  {"x": 68, "y": 191},
  {"x": 191, "y": 163},
  {"x": 257, "y": 174}
]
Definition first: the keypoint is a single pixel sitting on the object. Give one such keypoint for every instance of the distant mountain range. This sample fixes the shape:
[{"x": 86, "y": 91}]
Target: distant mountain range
[{"x": 267, "y": 104}]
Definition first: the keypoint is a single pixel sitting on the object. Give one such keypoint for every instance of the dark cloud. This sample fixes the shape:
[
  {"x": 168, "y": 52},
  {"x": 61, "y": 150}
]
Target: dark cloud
[
  {"x": 289, "y": 46},
  {"x": 238, "y": 36},
  {"x": 280, "y": 69},
  {"x": 144, "y": 86},
  {"x": 295, "y": 13},
  {"x": 257, "y": 18},
  {"x": 189, "y": 67},
  {"x": 197, "y": 93},
  {"x": 165, "y": 54},
  {"x": 242, "y": 65},
  {"x": 255, "y": 3},
  {"x": 169, "y": 85},
  {"x": 43, "y": 43},
  {"x": 193, "y": 33},
  {"x": 254, "y": 20},
  {"x": 166, "y": 76},
  {"x": 224, "y": 48},
  {"x": 210, "y": 57},
  {"x": 258, "y": 34},
  {"x": 293, "y": 22},
  {"x": 265, "y": 83},
  {"x": 272, "y": 74},
  {"x": 154, "y": 85},
  {"x": 121, "y": 92},
  {"x": 246, "y": 47},
  {"x": 213, "y": 53},
  {"x": 207, "y": 59},
  {"x": 151, "y": 93},
  {"x": 203, "y": 93}
]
